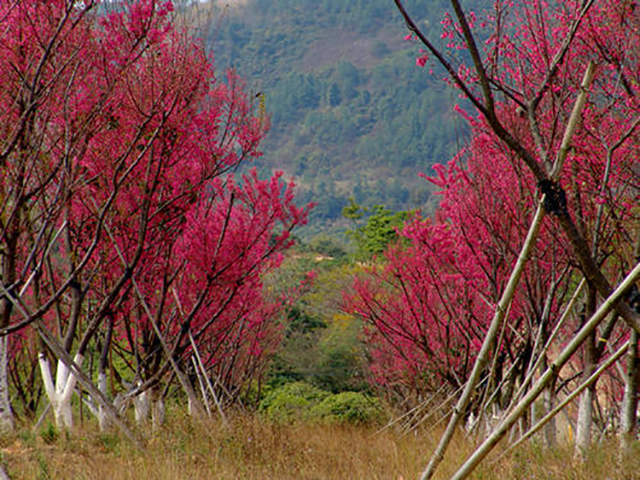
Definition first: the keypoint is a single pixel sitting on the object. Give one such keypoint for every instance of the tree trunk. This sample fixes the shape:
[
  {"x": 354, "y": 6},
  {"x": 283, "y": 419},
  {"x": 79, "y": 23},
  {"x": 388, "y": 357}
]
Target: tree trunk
[
  {"x": 585, "y": 416},
  {"x": 60, "y": 393},
  {"x": 157, "y": 412},
  {"x": 141, "y": 407},
  {"x": 7, "y": 277},
  {"x": 585, "y": 408},
  {"x": 549, "y": 397},
  {"x": 543, "y": 382},
  {"x": 6, "y": 414},
  {"x": 103, "y": 419},
  {"x": 149, "y": 404},
  {"x": 629, "y": 418}
]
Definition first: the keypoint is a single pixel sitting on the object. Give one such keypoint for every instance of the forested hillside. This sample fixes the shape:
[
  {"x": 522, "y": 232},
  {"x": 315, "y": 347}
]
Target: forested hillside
[{"x": 351, "y": 113}]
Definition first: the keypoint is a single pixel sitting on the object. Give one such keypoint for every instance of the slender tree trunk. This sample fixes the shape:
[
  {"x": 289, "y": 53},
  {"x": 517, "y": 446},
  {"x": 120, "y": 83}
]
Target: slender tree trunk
[
  {"x": 6, "y": 413},
  {"x": 585, "y": 408},
  {"x": 585, "y": 419},
  {"x": 7, "y": 277},
  {"x": 549, "y": 400},
  {"x": 157, "y": 409},
  {"x": 629, "y": 418},
  {"x": 141, "y": 405},
  {"x": 103, "y": 420}
]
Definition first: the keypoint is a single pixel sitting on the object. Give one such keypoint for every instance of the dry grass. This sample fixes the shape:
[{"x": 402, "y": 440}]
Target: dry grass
[{"x": 257, "y": 449}]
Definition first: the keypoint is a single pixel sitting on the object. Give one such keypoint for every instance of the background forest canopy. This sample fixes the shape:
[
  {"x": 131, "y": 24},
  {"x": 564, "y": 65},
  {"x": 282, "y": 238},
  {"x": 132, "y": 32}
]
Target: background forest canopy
[{"x": 350, "y": 116}]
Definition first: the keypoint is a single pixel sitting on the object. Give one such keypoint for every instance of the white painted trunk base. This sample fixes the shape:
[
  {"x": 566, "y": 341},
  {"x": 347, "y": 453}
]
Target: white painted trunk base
[
  {"x": 583, "y": 426},
  {"x": 60, "y": 392},
  {"x": 146, "y": 407}
]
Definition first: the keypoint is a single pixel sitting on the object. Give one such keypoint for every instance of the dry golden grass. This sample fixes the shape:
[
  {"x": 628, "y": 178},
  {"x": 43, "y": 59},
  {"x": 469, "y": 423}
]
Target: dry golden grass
[{"x": 254, "y": 448}]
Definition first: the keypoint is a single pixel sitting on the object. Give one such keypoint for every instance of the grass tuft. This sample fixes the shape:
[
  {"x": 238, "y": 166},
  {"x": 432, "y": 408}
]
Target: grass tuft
[{"x": 258, "y": 448}]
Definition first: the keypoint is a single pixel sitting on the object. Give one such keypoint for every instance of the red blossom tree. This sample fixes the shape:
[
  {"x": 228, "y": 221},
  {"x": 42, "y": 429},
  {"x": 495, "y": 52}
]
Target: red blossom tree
[
  {"x": 207, "y": 293},
  {"x": 116, "y": 138},
  {"x": 566, "y": 130},
  {"x": 430, "y": 302}
]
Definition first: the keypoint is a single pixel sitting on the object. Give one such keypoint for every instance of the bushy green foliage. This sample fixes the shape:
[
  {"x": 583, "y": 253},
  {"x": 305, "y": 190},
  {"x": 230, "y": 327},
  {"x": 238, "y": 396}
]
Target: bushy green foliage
[
  {"x": 291, "y": 401},
  {"x": 348, "y": 407},
  {"x": 302, "y": 401}
]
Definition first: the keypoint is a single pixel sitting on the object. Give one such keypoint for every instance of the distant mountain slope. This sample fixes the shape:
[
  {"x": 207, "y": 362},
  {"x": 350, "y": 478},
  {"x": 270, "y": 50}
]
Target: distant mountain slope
[{"x": 352, "y": 114}]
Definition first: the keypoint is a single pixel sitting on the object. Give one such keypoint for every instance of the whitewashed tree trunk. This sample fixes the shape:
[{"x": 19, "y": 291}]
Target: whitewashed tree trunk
[
  {"x": 583, "y": 425},
  {"x": 189, "y": 406},
  {"x": 543, "y": 382},
  {"x": 157, "y": 413},
  {"x": 103, "y": 419},
  {"x": 141, "y": 407},
  {"x": 548, "y": 404},
  {"x": 149, "y": 404},
  {"x": 549, "y": 398},
  {"x": 60, "y": 392},
  {"x": 6, "y": 414},
  {"x": 629, "y": 409}
]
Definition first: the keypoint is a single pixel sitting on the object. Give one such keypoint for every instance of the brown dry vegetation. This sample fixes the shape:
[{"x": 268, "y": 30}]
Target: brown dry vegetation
[{"x": 258, "y": 449}]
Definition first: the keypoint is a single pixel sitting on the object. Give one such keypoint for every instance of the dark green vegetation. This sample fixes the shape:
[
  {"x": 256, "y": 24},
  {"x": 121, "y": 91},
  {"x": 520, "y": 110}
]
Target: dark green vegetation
[{"x": 351, "y": 113}]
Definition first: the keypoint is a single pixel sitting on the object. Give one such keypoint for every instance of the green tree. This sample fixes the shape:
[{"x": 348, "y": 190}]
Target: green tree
[{"x": 380, "y": 229}]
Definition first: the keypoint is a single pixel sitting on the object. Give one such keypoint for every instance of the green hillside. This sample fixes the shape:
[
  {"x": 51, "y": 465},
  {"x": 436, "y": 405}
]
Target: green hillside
[{"x": 352, "y": 115}]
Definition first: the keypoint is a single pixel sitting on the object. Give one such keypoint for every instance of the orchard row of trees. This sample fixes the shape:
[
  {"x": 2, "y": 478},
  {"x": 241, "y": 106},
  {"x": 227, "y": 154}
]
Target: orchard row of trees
[
  {"x": 507, "y": 293},
  {"x": 132, "y": 258},
  {"x": 130, "y": 254}
]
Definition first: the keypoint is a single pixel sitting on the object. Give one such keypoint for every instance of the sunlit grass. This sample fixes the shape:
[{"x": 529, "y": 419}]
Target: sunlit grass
[{"x": 254, "y": 448}]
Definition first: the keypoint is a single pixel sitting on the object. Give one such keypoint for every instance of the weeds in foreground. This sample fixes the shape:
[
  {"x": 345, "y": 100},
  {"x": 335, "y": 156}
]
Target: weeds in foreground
[{"x": 256, "y": 448}]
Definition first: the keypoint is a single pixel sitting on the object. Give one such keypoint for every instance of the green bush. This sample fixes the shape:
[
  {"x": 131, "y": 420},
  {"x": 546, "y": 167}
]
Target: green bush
[
  {"x": 292, "y": 400},
  {"x": 302, "y": 401},
  {"x": 348, "y": 407}
]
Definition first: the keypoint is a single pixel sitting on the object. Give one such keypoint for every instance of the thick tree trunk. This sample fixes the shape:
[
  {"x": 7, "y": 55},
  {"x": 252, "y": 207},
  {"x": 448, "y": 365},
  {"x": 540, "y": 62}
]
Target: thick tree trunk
[
  {"x": 149, "y": 403},
  {"x": 60, "y": 392},
  {"x": 141, "y": 407}
]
